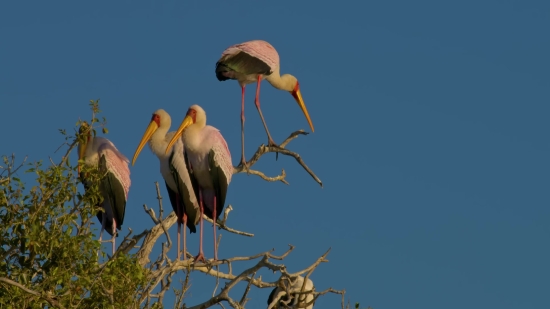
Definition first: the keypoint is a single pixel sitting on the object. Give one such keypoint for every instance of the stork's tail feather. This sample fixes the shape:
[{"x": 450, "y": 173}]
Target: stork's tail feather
[
  {"x": 221, "y": 68},
  {"x": 191, "y": 227}
]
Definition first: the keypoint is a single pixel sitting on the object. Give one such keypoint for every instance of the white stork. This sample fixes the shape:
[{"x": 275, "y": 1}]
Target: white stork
[
  {"x": 174, "y": 171},
  {"x": 115, "y": 183},
  {"x": 209, "y": 163}
]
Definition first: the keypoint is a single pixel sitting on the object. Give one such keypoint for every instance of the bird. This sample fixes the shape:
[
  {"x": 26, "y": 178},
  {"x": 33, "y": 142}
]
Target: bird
[
  {"x": 174, "y": 171},
  {"x": 114, "y": 183},
  {"x": 209, "y": 162},
  {"x": 254, "y": 61},
  {"x": 295, "y": 300}
]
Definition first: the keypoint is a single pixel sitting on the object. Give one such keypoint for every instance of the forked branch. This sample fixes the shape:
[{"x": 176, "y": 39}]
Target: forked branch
[{"x": 282, "y": 150}]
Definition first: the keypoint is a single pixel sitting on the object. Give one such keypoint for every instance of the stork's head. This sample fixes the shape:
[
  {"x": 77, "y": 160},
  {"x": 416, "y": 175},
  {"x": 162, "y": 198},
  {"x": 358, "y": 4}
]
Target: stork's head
[
  {"x": 297, "y": 95},
  {"x": 160, "y": 119},
  {"x": 195, "y": 116}
]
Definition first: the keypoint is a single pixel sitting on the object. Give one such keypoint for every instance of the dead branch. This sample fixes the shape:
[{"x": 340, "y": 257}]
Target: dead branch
[
  {"x": 129, "y": 243},
  {"x": 221, "y": 223},
  {"x": 282, "y": 150},
  {"x": 249, "y": 276},
  {"x": 153, "y": 234}
]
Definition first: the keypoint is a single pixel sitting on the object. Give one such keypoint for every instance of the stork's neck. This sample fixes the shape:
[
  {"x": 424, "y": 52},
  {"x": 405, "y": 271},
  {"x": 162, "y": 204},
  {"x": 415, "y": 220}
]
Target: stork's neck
[
  {"x": 192, "y": 137},
  {"x": 158, "y": 142},
  {"x": 285, "y": 82}
]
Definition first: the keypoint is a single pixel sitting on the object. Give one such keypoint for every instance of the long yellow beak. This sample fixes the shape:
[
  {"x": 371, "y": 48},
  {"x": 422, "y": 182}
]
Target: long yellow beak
[
  {"x": 153, "y": 126},
  {"x": 187, "y": 121},
  {"x": 298, "y": 97}
]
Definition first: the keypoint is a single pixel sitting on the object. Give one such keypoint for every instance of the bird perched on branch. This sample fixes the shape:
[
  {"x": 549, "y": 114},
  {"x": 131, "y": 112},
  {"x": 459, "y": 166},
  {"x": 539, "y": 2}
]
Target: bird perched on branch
[
  {"x": 114, "y": 183},
  {"x": 174, "y": 171},
  {"x": 251, "y": 62},
  {"x": 209, "y": 163},
  {"x": 294, "y": 300}
]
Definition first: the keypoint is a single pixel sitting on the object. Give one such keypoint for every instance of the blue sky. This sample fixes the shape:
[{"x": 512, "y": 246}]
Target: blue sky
[{"x": 431, "y": 136}]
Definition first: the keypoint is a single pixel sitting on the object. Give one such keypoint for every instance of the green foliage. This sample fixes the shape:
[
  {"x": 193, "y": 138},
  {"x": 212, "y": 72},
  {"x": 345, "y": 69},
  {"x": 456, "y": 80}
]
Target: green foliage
[{"x": 48, "y": 251}]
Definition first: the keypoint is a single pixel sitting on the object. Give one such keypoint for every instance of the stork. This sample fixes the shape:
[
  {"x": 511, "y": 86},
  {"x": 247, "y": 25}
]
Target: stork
[
  {"x": 209, "y": 163},
  {"x": 115, "y": 179},
  {"x": 174, "y": 171}
]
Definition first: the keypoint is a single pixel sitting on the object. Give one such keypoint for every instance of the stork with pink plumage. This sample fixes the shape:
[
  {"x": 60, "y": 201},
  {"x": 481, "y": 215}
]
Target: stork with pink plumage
[
  {"x": 254, "y": 61},
  {"x": 209, "y": 163},
  {"x": 114, "y": 184}
]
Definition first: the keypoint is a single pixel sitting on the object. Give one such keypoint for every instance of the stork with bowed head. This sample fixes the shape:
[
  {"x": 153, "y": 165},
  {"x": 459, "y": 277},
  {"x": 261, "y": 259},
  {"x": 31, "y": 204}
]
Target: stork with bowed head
[
  {"x": 294, "y": 300},
  {"x": 209, "y": 164},
  {"x": 174, "y": 171},
  {"x": 251, "y": 62},
  {"x": 115, "y": 179}
]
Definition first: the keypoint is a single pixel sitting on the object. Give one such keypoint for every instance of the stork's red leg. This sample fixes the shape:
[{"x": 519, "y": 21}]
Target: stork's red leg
[
  {"x": 184, "y": 237},
  {"x": 179, "y": 223},
  {"x": 257, "y": 101},
  {"x": 243, "y": 160},
  {"x": 200, "y": 256},
  {"x": 215, "y": 241},
  {"x": 114, "y": 235}
]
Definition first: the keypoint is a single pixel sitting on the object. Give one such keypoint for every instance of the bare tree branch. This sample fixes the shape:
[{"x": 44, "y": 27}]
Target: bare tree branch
[
  {"x": 249, "y": 274},
  {"x": 160, "y": 270},
  {"x": 282, "y": 150},
  {"x": 221, "y": 223}
]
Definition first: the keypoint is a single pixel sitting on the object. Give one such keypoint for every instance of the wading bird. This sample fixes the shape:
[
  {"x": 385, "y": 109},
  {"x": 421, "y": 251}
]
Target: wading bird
[
  {"x": 114, "y": 182},
  {"x": 174, "y": 171},
  {"x": 209, "y": 164},
  {"x": 251, "y": 62},
  {"x": 295, "y": 300}
]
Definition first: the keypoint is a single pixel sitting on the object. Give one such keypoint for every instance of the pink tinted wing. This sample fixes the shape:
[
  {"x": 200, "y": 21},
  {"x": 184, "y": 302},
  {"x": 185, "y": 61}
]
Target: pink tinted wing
[
  {"x": 117, "y": 163},
  {"x": 221, "y": 150},
  {"x": 258, "y": 49}
]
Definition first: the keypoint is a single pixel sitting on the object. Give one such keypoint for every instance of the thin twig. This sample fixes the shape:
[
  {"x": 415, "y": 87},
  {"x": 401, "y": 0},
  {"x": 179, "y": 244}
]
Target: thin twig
[
  {"x": 221, "y": 223},
  {"x": 244, "y": 299}
]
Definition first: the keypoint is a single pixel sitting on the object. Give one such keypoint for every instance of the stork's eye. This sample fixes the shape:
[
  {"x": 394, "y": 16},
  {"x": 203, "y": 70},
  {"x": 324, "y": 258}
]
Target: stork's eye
[{"x": 156, "y": 118}]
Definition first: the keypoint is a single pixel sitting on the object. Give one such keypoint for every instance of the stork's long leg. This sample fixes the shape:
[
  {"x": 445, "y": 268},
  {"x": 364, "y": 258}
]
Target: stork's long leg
[
  {"x": 179, "y": 223},
  {"x": 243, "y": 159},
  {"x": 215, "y": 242},
  {"x": 257, "y": 101},
  {"x": 184, "y": 237},
  {"x": 200, "y": 256},
  {"x": 101, "y": 233}
]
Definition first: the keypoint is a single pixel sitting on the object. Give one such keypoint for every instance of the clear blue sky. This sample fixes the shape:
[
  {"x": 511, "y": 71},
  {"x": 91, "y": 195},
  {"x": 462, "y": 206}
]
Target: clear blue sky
[{"x": 431, "y": 118}]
